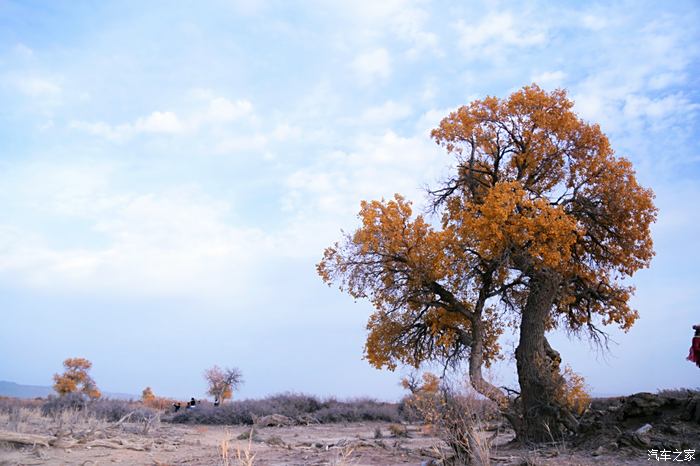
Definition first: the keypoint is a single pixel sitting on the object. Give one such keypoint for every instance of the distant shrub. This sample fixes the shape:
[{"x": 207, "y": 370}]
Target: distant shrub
[
  {"x": 70, "y": 401},
  {"x": 292, "y": 405},
  {"x": 107, "y": 409},
  {"x": 9, "y": 404},
  {"x": 363, "y": 409},
  {"x": 231, "y": 413},
  {"x": 160, "y": 403},
  {"x": 142, "y": 415},
  {"x": 111, "y": 410},
  {"x": 398, "y": 430}
]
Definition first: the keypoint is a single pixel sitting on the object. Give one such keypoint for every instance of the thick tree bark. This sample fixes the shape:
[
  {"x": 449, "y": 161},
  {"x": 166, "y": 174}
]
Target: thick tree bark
[{"x": 544, "y": 418}]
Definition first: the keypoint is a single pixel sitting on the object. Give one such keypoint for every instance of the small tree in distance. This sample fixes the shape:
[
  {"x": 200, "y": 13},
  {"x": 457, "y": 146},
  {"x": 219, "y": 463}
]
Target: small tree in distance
[
  {"x": 222, "y": 382},
  {"x": 75, "y": 379},
  {"x": 147, "y": 395}
]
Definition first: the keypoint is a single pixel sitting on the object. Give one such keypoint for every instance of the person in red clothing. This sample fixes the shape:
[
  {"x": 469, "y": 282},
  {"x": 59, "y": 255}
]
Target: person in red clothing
[{"x": 694, "y": 355}]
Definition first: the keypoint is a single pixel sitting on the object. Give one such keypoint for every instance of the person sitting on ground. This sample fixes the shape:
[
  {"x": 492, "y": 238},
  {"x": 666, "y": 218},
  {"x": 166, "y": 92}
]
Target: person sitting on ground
[
  {"x": 191, "y": 404},
  {"x": 694, "y": 354},
  {"x": 216, "y": 401}
]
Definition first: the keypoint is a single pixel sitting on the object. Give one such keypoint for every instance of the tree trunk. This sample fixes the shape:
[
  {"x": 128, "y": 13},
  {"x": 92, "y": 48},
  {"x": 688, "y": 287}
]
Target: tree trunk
[
  {"x": 476, "y": 361},
  {"x": 481, "y": 385},
  {"x": 543, "y": 416}
]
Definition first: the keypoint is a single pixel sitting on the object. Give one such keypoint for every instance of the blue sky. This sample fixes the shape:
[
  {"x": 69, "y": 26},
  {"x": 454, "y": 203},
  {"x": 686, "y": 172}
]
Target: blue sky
[{"x": 171, "y": 173}]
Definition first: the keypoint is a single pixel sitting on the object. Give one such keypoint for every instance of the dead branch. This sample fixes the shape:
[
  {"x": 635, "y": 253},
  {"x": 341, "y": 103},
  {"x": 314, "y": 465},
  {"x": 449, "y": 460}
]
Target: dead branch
[{"x": 25, "y": 439}]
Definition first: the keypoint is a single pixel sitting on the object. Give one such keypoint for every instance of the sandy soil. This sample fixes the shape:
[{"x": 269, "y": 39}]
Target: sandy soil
[{"x": 329, "y": 444}]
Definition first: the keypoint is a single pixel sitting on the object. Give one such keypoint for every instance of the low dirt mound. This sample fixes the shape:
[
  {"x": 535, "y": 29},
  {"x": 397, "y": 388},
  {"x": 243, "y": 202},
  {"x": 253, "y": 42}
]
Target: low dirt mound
[{"x": 667, "y": 420}]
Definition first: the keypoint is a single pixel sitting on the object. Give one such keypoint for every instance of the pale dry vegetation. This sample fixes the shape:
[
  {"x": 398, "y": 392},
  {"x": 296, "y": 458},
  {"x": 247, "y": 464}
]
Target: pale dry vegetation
[{"x": 450, "y": 426}]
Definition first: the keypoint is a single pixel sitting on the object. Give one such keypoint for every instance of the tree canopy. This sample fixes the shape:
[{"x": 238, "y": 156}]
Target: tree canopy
[
  {"x": 76, "y": 379},
  {"x": 222, "y": 382}
]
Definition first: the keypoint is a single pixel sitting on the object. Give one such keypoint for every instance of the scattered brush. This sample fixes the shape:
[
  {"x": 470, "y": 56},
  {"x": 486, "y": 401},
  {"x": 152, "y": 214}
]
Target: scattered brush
[
  {"x": 456, "y": 417},
  {"x": 398, "y": 430},
  {"x": 342, "y": 457},
  {"x": 303, "y": 409},
  {"x": 249, "y": 434}
]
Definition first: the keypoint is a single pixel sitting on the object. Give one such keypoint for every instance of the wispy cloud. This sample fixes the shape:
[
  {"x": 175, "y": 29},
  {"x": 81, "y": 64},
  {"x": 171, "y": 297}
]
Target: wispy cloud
[
  {"x": 155, "y": 123},
  {"x": 497, "y": 34},
  {"x": 37, "y": 86},
  {"x": 372, "y": 66},
  {"x": 151, "y": 244},
  {"x": 550, "y": 79},
  {"x": 216, "y": 110},
  {"x": 386, "y": 113},
  {"x": 340, "y": 179}
]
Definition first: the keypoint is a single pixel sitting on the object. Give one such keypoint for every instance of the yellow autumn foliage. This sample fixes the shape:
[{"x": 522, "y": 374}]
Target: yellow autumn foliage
[
  {"x": 574, "y": 393},
  {"x": 75, "y": 378}
]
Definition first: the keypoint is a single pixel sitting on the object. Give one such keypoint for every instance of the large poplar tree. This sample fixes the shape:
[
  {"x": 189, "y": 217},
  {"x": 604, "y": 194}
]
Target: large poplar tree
[{"x": 540, "y": 225}]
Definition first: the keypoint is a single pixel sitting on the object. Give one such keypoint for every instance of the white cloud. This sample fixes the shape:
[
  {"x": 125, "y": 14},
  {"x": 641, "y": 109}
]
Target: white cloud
[
  {"x": 386, "y": 113},
  {"x": 405, "y": 20},
  {"x": 37, "y": 86},
  {"x": 593, "y": 22},
  {"x": 102, "y": 129},
  {"x": 50, "y": 189},
  {"x": 23, "y": 50},
  {"x": 376, "y": 167},
  {"x": 641, "y": 106},
  {"x": 549, "y": 79},
  {"x": 409, "y": 25},
  {"x": 372, "y": 66},
  {"x": 663, "y": 80},
  {"x": 431, "y": 120},
  {"x": 286, "y": 132},
  {"x": 159, "y": 122},
  {"x": 630, "y": 84},
  {"x": 659, "y": 112},
  {"x": 233, "y": 144},
  {"x": 181, "y": 241},
  {"x": 216, "y": 110},
  {"x": 156, "y": 123},
  {"x": 221, "y": 109},
  {"x": 497, "y": 33},
  {"x": 171, "y": 242}
]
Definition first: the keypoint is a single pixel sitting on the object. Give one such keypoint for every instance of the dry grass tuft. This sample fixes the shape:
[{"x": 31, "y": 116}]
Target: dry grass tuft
[
  {"x": 245, "y": 457},
  {"x": 343, "y": 457}
]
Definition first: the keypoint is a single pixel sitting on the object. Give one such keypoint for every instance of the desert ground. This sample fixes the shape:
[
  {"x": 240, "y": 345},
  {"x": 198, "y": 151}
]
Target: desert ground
[{"x": 70, "y": 439}]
